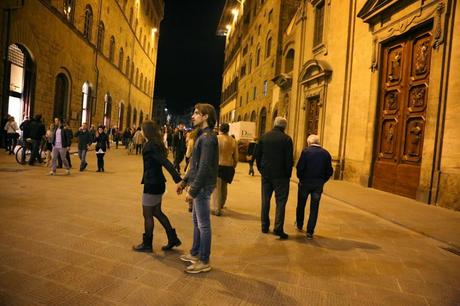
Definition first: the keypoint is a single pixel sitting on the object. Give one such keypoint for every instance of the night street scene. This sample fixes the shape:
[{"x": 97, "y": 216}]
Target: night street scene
[{"x": 230, "y": 152}]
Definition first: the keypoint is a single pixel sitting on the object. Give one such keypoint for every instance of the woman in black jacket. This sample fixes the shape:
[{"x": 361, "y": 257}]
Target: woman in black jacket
[
  {"x": 154, "y": 155},
  {"x": 102, "y": 144}
]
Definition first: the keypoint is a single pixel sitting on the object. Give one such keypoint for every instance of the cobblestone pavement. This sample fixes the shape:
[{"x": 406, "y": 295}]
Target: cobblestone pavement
[{"x": 66, "y": 240}]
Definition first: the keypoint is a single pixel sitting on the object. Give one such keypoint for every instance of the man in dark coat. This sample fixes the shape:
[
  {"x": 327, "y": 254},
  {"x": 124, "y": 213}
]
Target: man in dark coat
[
  {"x": 36, "y": 132},
  {"x": 274, "y": 160},
  {"x": 314, "y": 169},
  {"x": 26, "y": 140},
  {"x": 179, "y": 146}
]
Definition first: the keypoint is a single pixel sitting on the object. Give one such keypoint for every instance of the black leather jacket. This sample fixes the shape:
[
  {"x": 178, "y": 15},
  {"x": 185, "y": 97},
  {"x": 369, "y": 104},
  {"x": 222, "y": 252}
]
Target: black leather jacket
[
  {"x": 154, "y": 160},
  {"x": 205, "y": 162}
]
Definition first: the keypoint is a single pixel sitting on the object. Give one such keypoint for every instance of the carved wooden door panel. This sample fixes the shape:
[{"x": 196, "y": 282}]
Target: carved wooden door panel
[
  {"x": 312, "y": 115},
  {"x": 401, "y": 126}
]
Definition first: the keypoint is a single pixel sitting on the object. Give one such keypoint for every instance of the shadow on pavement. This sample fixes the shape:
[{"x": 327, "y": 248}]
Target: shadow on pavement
[
  {"x": 250, "y": 290},
  {"x": 336, "y": 243},
  {"x": 237, "y": 215}
]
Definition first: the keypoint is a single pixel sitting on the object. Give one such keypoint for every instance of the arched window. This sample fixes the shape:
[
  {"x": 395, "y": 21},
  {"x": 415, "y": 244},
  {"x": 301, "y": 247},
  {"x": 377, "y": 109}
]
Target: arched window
[
  {"x": 141, "y": 81},
  {"x": 125, "y": 2},
  {"x": 250, "y": 64},
  {"x": 88, "y": 26},
  {"x": 258, "y": 56},
  {"x": 112, "y": 49},
  {"x": 262, "y": 121},
  {"x": 127, "y": 66},
  {"x": 86, "y": 103},
  {"x": 141, "y": 117},
  {"x": 107, "y": 109},
  {"x": 140, "y": 34},
  {"x": 289, "y": 61},
  {"x": 253, "y": 116},
  {"x": 132, "y": 71},
  {"x": 239, "y": 117},
  {"x": 137, "y": 77},
  {"x": 69, "y": 10},
  {"x": 148, "y": 47},
  {"x": 135, "y": 25},
  {"x": 145, "y": 85},
  {"x": 245, "y": 117},
  {"x": 268, "y": 47},
  {"x": 62, "y": 97},
  {"x": 143, "y": 43},
  {"x": 135, "y": 116},
  {"x": 120, "y": 59},
  {"x": 100, "y": 36},
  {"x": 128, "y": 116}
]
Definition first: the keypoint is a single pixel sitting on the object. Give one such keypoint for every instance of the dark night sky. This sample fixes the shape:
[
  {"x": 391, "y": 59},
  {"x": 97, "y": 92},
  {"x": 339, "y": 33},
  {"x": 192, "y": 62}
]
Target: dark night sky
[{"x": 190, "y": 54}]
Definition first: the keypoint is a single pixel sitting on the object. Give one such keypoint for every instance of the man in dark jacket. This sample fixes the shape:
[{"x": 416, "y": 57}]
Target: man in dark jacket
[
  {"x": 84, "y": 141},
  {"x": 274, "y": 160},
  {"x": 201, "y": 178},
  {"x": 314, "y": 169},
  {"x": 26, "y": 140},
  {"x": 36, "y": 132},
  {"x": 179, "y": 146}
]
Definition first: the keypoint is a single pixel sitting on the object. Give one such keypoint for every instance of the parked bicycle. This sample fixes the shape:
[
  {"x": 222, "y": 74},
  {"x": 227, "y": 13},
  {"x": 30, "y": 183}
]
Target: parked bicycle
[{"x": 24, "y": 152}]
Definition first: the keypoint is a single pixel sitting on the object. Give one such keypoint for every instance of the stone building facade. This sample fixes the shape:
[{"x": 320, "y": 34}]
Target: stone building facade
[
  {"x": 377, "y": 80},
  {"x": 82, "y": 60},
  {"x": 252, "y": 58}
]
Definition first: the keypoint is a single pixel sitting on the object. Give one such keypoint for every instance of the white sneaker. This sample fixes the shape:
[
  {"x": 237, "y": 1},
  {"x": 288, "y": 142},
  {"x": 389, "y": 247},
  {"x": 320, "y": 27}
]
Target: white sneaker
[
  {"x": 67, "y": 172},
  {"x": 52, "y": 173},
  {"x": 198, "y": 267}
]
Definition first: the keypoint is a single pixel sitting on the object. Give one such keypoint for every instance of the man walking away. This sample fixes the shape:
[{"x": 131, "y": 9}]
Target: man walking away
[
  {"x": 179, "y": 146},
  {"x": 84, "y": 142},
  {"x": 37, "y": 132},
  {"x": 228, "y": 159},
  {"x": 201, "y": 178},
  {"x": 274, "y": 160},
  {"x": 314, "y": 169}
]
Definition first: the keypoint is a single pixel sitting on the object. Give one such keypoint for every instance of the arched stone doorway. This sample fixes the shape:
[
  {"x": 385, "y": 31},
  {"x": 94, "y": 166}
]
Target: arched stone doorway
[
  {"x": 20, "y": 75},
  {"x": 121, "y": 114},
  {"x": 262, "y": 121},
  {"x": 62, "y": 97},
  {"x": 107, "y": 110},
  {"x": 86, "y": 103},
  {"x": 128, "y": 116}
]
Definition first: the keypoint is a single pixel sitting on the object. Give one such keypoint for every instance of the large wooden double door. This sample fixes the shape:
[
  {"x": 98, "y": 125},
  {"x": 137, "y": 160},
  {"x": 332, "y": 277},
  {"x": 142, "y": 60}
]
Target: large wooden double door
[{"x": 402, "y": 109}]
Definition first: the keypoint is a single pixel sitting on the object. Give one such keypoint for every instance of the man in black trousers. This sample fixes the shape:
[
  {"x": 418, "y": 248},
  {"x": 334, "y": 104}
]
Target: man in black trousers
[
  {"x": 179, "y": 146},
  {"x": 314, "y": 169},
  {"x": 274, "y": 160}
]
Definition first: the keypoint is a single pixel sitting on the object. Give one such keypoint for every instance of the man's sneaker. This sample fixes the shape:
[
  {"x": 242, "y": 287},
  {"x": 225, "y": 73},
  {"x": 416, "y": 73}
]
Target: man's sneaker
[
  {"x": 189, "y": 258},
  {"x": 264, "y": 230},
  {"x": 67, "y": 172},
  {"x": 198, "y": 267},
  {"x": 52, "y": 173},
  {"x": 309, "y": 236}
]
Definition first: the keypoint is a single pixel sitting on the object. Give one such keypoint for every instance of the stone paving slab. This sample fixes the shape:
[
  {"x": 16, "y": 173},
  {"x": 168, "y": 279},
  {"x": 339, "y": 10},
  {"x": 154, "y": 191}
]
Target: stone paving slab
[{"x": 66, "y": 240}]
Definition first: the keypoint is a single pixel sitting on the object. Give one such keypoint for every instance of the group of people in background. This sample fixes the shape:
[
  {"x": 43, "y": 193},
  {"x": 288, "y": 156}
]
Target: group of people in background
[{"x": 55, "y": 141}]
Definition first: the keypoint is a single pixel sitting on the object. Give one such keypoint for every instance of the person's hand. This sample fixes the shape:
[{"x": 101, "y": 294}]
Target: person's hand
[
  {"x": 188, "y": 198},
  {"x": 179, "y": 188}
]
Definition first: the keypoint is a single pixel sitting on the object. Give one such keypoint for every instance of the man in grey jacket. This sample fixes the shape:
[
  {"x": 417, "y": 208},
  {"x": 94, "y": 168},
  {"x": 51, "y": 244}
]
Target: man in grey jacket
[{"x": 201, "y": 178}]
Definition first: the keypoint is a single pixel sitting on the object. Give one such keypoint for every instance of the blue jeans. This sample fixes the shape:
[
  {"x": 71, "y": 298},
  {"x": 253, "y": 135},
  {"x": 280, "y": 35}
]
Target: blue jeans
[
  {"x": 315, "y": 190},
  {"x": 82, "y": 156},
  {"x": 202, "y": 224}
]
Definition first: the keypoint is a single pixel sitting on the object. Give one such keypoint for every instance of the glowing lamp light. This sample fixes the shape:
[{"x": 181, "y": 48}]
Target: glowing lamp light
[{"x": 235, "y": 12}]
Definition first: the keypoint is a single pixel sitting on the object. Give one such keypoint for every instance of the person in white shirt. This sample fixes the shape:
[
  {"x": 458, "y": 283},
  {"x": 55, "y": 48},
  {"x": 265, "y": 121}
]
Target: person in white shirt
[{"x": 11, "y": 128}]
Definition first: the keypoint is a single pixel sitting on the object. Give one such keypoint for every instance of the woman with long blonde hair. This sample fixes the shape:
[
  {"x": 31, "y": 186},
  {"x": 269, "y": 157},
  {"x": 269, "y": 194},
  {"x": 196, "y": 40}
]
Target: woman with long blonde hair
[{"x": 155, "y": 158}]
